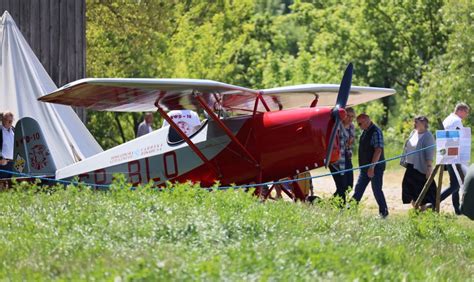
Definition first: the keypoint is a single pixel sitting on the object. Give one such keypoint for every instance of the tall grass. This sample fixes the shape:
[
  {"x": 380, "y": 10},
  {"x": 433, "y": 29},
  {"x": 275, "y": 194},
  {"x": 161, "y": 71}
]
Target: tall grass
[{"x": 187, "y": 233}]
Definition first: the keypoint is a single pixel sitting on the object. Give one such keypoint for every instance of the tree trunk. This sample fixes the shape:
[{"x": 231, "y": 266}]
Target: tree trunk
[
  {"x": 119, "y": 125},
  {"x": 386, "y": 101}
]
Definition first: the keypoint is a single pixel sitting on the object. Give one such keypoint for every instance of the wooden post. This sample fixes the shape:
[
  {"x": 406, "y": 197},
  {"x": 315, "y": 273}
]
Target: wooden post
[
  {"x": 438, "y": 189},
  {"x": 439, "y": 186},
  {"x": 427, "y": 186}
]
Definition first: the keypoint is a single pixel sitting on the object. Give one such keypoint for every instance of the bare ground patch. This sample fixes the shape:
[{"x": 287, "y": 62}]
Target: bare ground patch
[{"x": 392, "y": 189}]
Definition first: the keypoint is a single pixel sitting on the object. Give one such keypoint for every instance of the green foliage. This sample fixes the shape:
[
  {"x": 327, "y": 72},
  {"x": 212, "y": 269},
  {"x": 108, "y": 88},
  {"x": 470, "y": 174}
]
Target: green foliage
[
  {"x": 421, "y": 48},
  {"x": 449, "y": 78},
  {"x": 187, "y": 233}
]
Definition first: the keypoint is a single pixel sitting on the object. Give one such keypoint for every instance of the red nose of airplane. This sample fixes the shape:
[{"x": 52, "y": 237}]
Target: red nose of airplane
[
  {"x": 293, "y": 141},
  {"x": 322, "y": 123}
]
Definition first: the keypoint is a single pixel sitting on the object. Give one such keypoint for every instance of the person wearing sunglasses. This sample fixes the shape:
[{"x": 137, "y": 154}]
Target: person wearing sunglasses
[
  {"x": 418, "y": 165},
  {"x": 370, "y": 152},
  {"x": 7, "y": 137}
]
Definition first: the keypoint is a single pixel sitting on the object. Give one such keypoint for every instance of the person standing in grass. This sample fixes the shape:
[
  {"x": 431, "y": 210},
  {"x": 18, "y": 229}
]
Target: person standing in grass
[
  {"x": 371, "y": 147},
  {"x": 418, "y": 165},
  {"x": 7, "y": 137},
  {"x": 346, "y": 138},
  {"x": 454, "y": 122}
]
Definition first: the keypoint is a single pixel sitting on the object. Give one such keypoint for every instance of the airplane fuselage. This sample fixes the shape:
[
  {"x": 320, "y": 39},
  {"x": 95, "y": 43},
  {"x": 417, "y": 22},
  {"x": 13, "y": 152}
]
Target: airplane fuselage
[{"x": 282, "y": 143}]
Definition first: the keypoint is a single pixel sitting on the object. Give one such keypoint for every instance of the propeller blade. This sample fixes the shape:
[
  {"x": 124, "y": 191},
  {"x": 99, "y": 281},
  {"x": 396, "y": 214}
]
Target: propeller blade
[
  {"x": 345, "y": 88},
  {"x": 341, "y": 102}
]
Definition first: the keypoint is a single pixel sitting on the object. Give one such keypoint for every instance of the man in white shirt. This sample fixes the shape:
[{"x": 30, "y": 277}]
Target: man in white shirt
[
  {"x": 145, "y": 126},
  {"x": 453, "y": 122},
  {"x": 188, "y": 121},
  {"x": 7, "y": 141}
]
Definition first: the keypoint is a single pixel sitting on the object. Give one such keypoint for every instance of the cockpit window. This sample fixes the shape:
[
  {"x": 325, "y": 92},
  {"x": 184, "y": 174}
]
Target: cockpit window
[{"x": 175, "y": 139}]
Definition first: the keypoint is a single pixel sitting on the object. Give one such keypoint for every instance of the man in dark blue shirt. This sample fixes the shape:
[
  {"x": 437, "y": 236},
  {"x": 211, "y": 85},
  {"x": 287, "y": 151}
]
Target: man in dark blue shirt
[{"x": 371, "y": 151}]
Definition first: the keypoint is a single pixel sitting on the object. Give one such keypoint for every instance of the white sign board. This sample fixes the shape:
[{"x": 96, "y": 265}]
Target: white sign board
[{"x": 453, "y": 146}]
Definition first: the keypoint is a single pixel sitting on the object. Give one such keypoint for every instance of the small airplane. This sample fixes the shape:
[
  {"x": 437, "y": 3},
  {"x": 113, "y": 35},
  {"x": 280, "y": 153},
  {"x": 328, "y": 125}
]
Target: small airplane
[{"x": 250, "y": 136}]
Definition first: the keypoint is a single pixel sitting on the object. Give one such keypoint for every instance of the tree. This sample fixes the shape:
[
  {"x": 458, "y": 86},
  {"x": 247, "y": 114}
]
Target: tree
[
  {"x": 421, "y": 48},
  {"x": 448, "y": 78},
  {"x": 124, "y": 39}
]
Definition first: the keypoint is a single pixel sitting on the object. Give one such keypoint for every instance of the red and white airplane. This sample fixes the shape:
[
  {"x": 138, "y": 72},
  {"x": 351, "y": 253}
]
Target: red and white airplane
[{"x": 249, "y": 136}]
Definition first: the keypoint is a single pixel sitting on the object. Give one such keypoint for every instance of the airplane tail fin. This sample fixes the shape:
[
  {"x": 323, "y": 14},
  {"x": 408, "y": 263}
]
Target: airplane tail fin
[{"x": 31, "y": 153}]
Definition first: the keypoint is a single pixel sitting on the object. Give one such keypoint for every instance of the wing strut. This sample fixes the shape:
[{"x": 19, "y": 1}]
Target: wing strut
[
  {"x": 226, "y": 129},
  {"x": 263, "y": 101},
  {"x": 255, "y": 107},
  {"x": 185, "y": 138}
]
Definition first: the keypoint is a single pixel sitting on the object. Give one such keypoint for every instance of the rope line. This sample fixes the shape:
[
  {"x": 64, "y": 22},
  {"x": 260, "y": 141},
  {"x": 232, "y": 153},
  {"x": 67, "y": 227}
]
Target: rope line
[
  {"x": 324, "y": 175},
  {"x": 66, "y": 182}
]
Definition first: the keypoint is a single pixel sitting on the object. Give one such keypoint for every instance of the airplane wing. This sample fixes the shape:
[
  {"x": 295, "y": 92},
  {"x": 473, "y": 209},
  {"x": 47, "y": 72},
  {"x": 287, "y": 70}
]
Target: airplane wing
[
  {"x": 139, "y": 95},
  {"x": 302, "y": 95}
]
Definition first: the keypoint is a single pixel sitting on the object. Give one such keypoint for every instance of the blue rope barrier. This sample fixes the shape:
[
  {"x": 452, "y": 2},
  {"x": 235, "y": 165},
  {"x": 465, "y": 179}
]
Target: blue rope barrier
[
  {"x": 53, "y": 179},
  {"x": 233, "y": 186},
  {"x": 324, "y": 175}
]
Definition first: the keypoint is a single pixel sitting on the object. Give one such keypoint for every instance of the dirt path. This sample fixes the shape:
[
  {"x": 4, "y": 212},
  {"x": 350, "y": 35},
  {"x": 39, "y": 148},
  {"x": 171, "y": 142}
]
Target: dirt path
[{"x": 325, "y": 187}]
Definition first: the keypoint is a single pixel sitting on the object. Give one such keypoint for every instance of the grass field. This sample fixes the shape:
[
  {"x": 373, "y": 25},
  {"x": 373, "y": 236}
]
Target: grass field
[{"x": 189, "y": 233}]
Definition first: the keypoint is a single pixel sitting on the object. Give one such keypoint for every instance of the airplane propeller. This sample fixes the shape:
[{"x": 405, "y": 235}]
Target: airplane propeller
[{"x": 341, "y": 102}]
